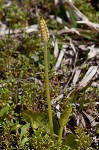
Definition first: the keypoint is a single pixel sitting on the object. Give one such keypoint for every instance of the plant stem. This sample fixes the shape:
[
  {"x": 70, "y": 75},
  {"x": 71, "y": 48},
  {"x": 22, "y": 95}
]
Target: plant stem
[
  {"x": 60, "y": 134},
  {"x": 47, "y": 87}
]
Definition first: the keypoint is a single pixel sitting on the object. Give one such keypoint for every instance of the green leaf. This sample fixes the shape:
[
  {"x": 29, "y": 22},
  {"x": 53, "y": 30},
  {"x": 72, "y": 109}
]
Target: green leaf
[
  {"x": 72, "y": 15},
  {"x": 36, "y": 119},
  {"x": 82, "y": 101},
  {"x": 55, "y": 126},
  {"x": 24, "y": 140},
  {"x": 40, "y": 121},
  {"x": 74, "y": 96},
  {"x": 3, "y": 113},
  {"x": 41, "y": 66},
  {"x": 35, "y": 57},
  {"x": 65, "y": 116},
  {"x": 24, "y": 129},
  {"x": 87, "y": 35},
  {"x": 71, "y": 141}
]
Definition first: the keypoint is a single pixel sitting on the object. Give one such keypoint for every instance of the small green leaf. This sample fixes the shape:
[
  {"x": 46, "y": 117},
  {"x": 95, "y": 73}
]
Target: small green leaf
[
  {"x": 41, "y": 66},
  {"x": 24, "y": 129},
  {"x": 71, "y": 141},
  {"x": 24, "y": 140},
  {"x": 82, "y": 100},
  {"x": 35, "y": 57},
  {"x": 55, "y": 126},
  {"x": 74, "y": 96},
  {"x": 3, "y": 113},
  {"x": 65, "y": 116},
  {"x": 86, "y": 35},
  {"x": 72, "y": 14}
]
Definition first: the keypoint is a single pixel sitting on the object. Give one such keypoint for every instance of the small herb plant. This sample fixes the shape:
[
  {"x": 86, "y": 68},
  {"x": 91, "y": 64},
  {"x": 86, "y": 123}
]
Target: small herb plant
[{"x": 45, "y": 37}]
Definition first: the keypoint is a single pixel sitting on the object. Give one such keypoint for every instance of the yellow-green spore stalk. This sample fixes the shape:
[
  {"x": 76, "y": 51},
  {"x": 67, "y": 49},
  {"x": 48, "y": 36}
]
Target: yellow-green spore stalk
[
  {"x": 44, "y": 30},
  {"x": 45, "y": 37}
]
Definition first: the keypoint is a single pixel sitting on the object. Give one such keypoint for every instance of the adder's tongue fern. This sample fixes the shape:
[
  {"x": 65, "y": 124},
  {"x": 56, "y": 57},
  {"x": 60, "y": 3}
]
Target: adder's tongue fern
[{"x": 45, "y": 37}]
